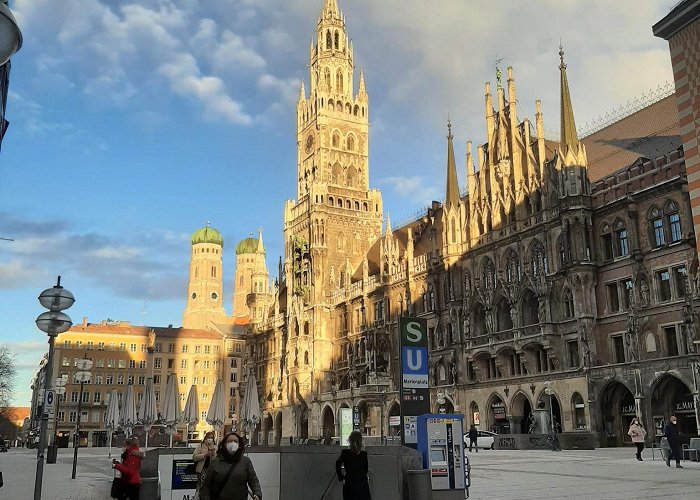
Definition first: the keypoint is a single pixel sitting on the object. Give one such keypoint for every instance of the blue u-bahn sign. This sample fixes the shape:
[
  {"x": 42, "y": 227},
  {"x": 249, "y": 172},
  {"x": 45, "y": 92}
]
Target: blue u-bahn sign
[{"x": 415, "y": 396}]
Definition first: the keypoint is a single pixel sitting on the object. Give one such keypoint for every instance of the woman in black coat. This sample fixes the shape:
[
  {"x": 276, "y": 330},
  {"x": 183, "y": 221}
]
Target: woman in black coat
[{"x": 354, "y": 460}]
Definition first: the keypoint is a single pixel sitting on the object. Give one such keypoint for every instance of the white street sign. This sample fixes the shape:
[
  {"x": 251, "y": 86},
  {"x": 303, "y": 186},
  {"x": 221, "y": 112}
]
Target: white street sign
[{"x": 50, "y": 402}]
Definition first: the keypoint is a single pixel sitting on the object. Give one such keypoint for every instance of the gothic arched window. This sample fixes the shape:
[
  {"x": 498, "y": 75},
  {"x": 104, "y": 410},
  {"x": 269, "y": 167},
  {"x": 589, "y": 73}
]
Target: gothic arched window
[
  {"x": 351, "y": 143},
  {"x": 337, "y": 41},
  {"x": 538, "y": 260},
  {"x": 339, "y": 82},
  {"x": 513, "y": 270},
  {"x": 327, "y": 78},
  {"x": 488, "y": 274},
  {"x": 329, "y": 40},
  {"x": 336, "y": 140},
  {"x": 431, "y": 297},
  {"x": 568, "y": 303}
]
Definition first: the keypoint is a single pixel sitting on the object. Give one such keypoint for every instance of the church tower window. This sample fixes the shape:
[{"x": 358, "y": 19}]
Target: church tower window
[
  {"x": 329, "y": 42},
  {"x": 337, "y": 41}
]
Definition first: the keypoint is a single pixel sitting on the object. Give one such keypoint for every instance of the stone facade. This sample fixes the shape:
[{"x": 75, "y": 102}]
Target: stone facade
[{"x": 544, "y": 274}]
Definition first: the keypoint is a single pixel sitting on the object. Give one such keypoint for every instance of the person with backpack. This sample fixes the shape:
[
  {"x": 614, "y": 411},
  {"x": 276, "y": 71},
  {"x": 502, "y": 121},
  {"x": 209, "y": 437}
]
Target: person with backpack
[{"x": 230, "y": 473}]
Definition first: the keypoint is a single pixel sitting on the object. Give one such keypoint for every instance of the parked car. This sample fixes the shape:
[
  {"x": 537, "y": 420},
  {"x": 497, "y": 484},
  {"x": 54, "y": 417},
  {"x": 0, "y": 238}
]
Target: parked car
[
  {"x": 3, "y": 446},
  {"x": 484, "y": 440}
]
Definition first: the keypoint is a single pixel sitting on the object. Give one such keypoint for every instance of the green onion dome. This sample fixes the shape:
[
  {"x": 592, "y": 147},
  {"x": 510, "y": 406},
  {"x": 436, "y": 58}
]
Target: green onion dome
[{"x": 207, "y": 235}]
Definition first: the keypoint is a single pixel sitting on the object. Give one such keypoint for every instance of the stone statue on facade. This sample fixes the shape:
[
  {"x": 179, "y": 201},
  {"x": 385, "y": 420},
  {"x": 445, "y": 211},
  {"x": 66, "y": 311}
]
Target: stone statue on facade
[
  {"x": 489, "y": 322},
  {"x": 644, "y": 293}
]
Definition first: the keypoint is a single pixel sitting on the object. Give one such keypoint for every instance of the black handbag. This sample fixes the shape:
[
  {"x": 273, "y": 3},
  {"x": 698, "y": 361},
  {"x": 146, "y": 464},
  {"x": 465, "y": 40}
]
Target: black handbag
[{"x": 116, "y": 487}]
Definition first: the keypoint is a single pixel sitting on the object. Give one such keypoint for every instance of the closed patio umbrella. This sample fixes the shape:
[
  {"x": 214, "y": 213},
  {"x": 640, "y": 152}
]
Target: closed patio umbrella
[
  {"x": 216, "y": 415},
  {"x": 112, "y": 417},
  {"x": 251, "y": 405},
  {"x": 127, "y": 417},
  {"x": 148, "y": 413},
  {"x": 190, "y": 415},
  {"x": 171, "y": 406}
]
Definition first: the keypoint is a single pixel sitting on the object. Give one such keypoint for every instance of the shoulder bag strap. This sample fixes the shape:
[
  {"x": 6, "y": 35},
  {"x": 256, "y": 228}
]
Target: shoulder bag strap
[{"x": 226, "y": 480}]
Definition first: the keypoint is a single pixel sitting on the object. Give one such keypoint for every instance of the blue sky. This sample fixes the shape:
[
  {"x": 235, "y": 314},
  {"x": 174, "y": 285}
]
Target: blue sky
[{"x": 135, "y": 123}]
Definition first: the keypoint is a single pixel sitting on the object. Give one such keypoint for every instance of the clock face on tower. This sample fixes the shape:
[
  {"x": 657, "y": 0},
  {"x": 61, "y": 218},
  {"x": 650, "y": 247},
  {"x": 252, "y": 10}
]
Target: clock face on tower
[{"x": 309, "y": 143}]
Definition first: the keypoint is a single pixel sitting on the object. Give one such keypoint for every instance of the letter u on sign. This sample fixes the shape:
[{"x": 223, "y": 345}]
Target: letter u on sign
[{"x": 414, "y": 360}]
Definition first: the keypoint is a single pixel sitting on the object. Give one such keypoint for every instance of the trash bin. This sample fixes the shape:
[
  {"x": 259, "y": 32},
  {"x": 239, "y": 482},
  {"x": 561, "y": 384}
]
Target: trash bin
[
  {"x": 51, "y": 454},
  {"x": 417, "y": 485},
  {"x": 150, "y": 488}
]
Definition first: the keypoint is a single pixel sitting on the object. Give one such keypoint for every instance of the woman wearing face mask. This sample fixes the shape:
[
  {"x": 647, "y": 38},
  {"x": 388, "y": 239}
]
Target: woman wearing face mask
[
  {"x": 638, "y": 434},
  {"x": 230, "y": 473},
  {"x": 203, "y": 455}
]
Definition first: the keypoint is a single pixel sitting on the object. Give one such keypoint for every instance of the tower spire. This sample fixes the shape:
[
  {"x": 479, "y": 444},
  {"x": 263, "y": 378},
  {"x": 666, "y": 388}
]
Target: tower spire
[
  {"x": 569, "y": 138},
  {"x": 330, "y": 8},
  {"x": 388, "y": 231},
  {"x": 452, "y": 192},
  {"x": 261, "y": 247}
]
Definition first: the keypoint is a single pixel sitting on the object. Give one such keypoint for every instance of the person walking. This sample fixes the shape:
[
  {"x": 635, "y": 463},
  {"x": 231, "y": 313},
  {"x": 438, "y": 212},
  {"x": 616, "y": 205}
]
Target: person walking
[
  {"x": 203, "y": 455},
  {"x": 473, "y": 438},
  {"x": 638, "y": 434},
  {"x": 130, "y": 469},
  {"x": 354, "y": 478},
  {"x": 674, "y": 441},
  {"x": 230, "y": 473}
]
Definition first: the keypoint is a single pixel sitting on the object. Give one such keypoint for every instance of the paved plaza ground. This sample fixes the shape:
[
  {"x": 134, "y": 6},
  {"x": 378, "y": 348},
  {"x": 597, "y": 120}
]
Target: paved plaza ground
[{"x": 610, "y": 473}]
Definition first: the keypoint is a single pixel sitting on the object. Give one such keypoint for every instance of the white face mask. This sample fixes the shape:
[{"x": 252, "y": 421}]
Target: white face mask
[{"x": 232, "y": 447}]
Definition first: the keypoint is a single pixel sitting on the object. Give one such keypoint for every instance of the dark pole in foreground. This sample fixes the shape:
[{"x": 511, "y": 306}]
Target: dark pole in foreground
[
  {"x": 82, "y": 376},
  {"x": 76, "y": 439},
  {"x": 44, "y": 423}
]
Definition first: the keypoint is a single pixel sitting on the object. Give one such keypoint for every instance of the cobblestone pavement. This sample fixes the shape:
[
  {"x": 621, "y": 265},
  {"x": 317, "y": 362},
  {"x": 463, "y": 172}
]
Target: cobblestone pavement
[
  {"x": 607, "y": 473},
  {"x": 611, "y": 473},
  {"x": 93, "y": 475}
]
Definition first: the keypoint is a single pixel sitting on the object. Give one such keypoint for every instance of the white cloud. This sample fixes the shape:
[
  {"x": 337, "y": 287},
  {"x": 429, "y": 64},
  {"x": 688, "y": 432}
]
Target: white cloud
[{"x": 414, "y": 188}]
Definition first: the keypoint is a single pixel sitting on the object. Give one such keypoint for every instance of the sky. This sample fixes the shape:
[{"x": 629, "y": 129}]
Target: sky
[{"x": 134, "y": 123}]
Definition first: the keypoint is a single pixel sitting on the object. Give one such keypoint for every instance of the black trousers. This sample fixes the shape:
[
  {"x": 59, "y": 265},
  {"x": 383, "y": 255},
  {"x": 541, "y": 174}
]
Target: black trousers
[
  {"x": 640, "y": 447},
  {"x": 473, "y": 442},
  {"x": 130, "y": 492},
  {"x": 675, "y": 454}
]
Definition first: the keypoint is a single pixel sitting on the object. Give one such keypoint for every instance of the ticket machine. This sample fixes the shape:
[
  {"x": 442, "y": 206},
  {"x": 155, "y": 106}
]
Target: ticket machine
[{"x": 441, "y": 443}]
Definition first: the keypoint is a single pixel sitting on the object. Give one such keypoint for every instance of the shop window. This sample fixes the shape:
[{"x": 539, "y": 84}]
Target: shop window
[{"x": 579, "y": 409}]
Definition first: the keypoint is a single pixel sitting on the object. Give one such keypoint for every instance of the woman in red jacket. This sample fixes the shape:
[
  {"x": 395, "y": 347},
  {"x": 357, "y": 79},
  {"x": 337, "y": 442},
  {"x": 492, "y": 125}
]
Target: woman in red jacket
[{"x": 130, "y": 469}]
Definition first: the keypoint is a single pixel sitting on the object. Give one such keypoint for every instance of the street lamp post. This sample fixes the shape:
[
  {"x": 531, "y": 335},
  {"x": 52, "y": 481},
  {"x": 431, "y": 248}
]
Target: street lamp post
[
  {"x": 82, "y": 376},
  {"x": 53, "y": 322}
]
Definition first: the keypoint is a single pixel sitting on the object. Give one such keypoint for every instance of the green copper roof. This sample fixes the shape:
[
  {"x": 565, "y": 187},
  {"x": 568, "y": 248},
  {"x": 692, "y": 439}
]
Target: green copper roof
[
  {"x": 248, "y": 245},
  {"x": 207, "y": 235}
]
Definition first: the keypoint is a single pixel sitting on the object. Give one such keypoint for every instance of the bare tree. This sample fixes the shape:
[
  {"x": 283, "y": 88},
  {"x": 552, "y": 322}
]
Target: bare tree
[{"x": 8, "y": 372}]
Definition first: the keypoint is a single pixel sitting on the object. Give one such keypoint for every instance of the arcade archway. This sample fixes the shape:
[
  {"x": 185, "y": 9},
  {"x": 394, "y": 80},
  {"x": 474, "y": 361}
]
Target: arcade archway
[
  {"x": 267, "y": 429},
  {"x": 278, "y": 428},
  {"x": 670, "y": 396},
  {"x": 328, "y": 420},
  {"x": 497, "y": 418},
  {"x": 395, "y": 422},
  {"x": 520, "y": 410},
  {"x": 617, "y": 408}
]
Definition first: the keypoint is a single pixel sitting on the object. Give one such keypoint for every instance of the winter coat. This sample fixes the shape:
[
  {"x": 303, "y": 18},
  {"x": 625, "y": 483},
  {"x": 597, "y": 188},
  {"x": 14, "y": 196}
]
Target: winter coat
[
  {"x": 130, "y": 467},
  {"x": 637, "y": 432},
  {"x": 473, "y": 434},
  {"x": 219, "y": 486},
  {"x": 672, "y": 435},
  {"x": 201, "y": 453},
  {"x": 356, "y": 486}
]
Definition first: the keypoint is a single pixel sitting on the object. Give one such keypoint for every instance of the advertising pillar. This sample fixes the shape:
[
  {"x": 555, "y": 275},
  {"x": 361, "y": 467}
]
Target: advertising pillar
[{"x": 415, "y": 395}]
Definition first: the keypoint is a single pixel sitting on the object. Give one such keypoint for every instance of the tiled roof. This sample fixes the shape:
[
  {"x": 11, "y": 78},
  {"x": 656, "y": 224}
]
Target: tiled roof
[
  {"x": 125, "y": 328},
  {"x": 649, "y": 133}
]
